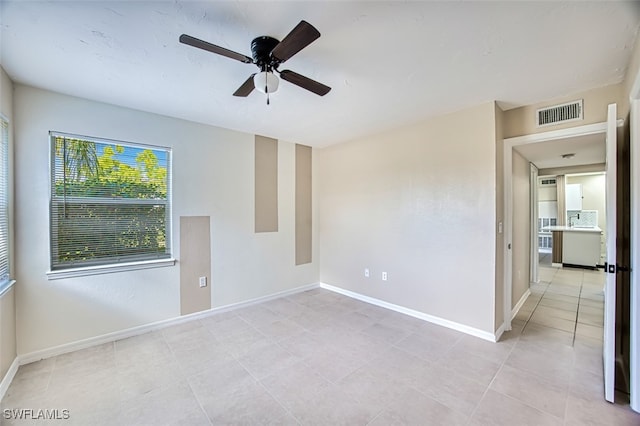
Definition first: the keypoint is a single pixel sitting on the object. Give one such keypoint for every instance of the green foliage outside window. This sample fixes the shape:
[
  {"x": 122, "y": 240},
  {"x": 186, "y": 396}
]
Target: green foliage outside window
[{"x": 110, "y": 203}]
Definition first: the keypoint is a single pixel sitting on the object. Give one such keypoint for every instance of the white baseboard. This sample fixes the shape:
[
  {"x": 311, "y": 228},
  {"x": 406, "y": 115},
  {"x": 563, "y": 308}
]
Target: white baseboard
[
  {"x": 146, "y": 328},
  {"x": 158, "y": 325},
  {"x": 500, "y": 331},
  {"x": 523, "y": 299},
  {"x": 416, "y": 314},
  {"x": 8, "y": 377},
  {"x": 514, "y": 312}
]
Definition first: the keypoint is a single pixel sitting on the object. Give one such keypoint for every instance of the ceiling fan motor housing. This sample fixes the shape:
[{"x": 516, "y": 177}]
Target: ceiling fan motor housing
[{"x": 261, "y": 48}]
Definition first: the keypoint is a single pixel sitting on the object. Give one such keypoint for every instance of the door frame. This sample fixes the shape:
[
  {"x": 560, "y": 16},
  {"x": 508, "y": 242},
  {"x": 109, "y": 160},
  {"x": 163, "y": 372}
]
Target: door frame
[
  {"x": 634, "y": 341},
  {"x": 508, "y": 146},
  {"x": 533, "y": 201}
]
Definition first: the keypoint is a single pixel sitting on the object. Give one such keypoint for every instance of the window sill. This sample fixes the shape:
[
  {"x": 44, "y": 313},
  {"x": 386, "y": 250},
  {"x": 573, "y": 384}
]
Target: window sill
[
  {"x": 108, "y": 269},
  {"x": 6, "y": 286}
]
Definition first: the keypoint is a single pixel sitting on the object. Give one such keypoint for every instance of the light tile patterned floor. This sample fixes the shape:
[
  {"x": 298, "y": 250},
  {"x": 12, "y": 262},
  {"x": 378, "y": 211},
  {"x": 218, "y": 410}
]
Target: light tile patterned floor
[{"x": 321, "y": 358}]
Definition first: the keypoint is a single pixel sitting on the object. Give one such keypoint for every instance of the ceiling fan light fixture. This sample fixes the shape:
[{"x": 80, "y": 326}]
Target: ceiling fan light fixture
[{"x": 266, "y": 82}]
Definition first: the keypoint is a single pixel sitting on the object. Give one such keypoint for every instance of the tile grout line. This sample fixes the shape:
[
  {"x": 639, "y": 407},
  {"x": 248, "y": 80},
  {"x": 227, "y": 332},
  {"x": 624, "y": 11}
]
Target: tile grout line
[
  {"x": 575, "y": 327},
  {"x": 493, "y": 379},
  {"x": 535, "y": 307},
  {"x": 184, "y": 376}
]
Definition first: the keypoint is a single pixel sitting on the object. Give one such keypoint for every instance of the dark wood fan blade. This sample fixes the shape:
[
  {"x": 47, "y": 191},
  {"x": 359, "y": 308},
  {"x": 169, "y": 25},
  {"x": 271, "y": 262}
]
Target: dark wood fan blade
[
  {"x": 246, "y": 88},
  {"x": 300, "y": 37},
  {"x": 200, "y": 44},
  {"x": 305, "y": 82}
]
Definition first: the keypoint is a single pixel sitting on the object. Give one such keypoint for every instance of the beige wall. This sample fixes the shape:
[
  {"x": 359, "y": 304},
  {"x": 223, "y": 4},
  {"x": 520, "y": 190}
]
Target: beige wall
[
  {"x": 304, "y": 205},
  {"x": 521, "y": 248},
  {"x": 195, "y": 263},
  {"x": 266, "y": 184},
  {"x": 8, "y": 350},
  {"x": 499, "y": 289},
  {"x": 522, "y": 121},
  {"x": 589, "y": 168},
  {"x": 213, "y": 175},
  {"x": 419, "y": 203}
]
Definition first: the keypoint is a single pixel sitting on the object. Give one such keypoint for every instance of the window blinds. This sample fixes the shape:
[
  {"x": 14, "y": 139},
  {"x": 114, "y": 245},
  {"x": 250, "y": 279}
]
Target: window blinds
[
  {"x": 110, "y": 202},
  {"x": 4, "y": 202}
]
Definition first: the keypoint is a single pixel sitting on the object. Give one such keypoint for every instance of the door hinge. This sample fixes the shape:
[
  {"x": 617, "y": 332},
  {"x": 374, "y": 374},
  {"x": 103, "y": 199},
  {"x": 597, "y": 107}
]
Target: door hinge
[{"x": 622, "y": 268}]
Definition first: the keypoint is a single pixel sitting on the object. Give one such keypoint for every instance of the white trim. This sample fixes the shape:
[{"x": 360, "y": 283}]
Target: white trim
[
  {"x": 108, "y": 141},
  {"x": 533, "y": 214},
  {"x": 588, "y": 129},
  {"x": 108, "y": 269},
  {"x": 507, "y": 172},
  {"x": 154, "y": 326},
  {"x": 523, "y": 299},
  {"x": 500, "y": 331},
  {"x": 634, "y": 352},
  {"x": 5, "y": 289},
  {"x": 416, "y": 314},
  {"x": 8, "y": 377}
]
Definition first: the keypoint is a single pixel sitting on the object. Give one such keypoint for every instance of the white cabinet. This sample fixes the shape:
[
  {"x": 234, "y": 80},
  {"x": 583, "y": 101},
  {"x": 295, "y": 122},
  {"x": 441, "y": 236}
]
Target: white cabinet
[
  {"x": 581, "y": 248},
  {"x": 573, "y": 196}
]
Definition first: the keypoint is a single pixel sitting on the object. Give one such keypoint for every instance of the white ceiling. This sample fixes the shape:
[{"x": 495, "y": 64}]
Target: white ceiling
[
  {"x": 389, "y": 63},
  {"x": 589, "y": 149}
]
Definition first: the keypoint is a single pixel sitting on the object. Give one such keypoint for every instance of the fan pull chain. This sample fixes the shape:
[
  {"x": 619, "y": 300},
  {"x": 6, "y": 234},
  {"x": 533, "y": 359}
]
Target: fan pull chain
[{"x": 267, "y": 91}]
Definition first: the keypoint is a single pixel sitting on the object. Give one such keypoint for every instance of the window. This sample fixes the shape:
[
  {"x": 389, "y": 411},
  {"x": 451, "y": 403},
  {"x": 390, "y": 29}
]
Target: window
[
  {"x": 110, "y": 203},
  {"x": 4, "y": 204}
]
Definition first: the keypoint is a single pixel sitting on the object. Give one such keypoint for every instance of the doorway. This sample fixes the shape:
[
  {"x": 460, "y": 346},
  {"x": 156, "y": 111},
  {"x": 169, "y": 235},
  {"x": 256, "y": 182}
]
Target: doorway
[
  {"x": 535, "y": 143},
  {"x": 560, "y": 297},
  {"x": 587, "y": 139}
]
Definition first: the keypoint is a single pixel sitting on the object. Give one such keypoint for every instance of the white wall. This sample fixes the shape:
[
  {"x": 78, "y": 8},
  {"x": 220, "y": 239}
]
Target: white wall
[
  {"x": 418, "y": 202},
  {"x": 212, "y": 176}
]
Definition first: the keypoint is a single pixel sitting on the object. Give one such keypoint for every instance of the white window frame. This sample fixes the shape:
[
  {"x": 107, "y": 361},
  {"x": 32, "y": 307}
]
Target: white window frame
[
  {"x": 116, "y": 266},
  {"x": 6, "y": 282}
]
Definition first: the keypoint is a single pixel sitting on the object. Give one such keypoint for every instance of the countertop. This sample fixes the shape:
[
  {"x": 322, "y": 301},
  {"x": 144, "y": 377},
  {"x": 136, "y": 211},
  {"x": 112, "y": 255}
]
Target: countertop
[{"x": 572, "y": 229}]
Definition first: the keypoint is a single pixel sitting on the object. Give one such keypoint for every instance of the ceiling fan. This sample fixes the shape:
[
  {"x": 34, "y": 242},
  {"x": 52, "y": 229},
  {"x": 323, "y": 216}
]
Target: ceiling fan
[{"x": 268, "y": 54}]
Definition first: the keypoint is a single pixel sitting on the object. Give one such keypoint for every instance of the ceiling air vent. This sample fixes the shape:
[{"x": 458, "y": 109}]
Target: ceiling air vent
[
  {"x": 557, "y": 114},
  {"x": 547, "y": 181}
]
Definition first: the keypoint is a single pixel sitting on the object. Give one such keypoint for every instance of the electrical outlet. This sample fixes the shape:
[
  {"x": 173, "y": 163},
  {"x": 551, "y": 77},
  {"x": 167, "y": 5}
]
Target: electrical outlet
[
  {"x": 384, "y": 276},
  {"x": 366, "y": 273},
  {"x": 203, "y": 281}
]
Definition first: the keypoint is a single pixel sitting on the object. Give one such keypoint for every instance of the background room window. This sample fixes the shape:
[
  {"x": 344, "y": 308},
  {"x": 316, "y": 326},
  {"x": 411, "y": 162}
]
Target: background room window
[
  {"x": 4, "y": 203},
  {"x": 110, "y": 202}
]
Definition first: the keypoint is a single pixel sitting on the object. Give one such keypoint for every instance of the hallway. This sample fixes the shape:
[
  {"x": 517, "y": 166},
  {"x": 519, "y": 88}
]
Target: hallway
[{"x": 566, "y": 299}]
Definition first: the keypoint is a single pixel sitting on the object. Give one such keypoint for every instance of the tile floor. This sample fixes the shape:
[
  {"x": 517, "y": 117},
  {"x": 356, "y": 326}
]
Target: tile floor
[{"x": 321, "y": 358}]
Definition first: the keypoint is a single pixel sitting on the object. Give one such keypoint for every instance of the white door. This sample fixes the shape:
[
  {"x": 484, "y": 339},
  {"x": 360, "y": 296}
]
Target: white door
[
  {"x": 635, "y": 259},
  {"x": 609, "y": 345}
]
